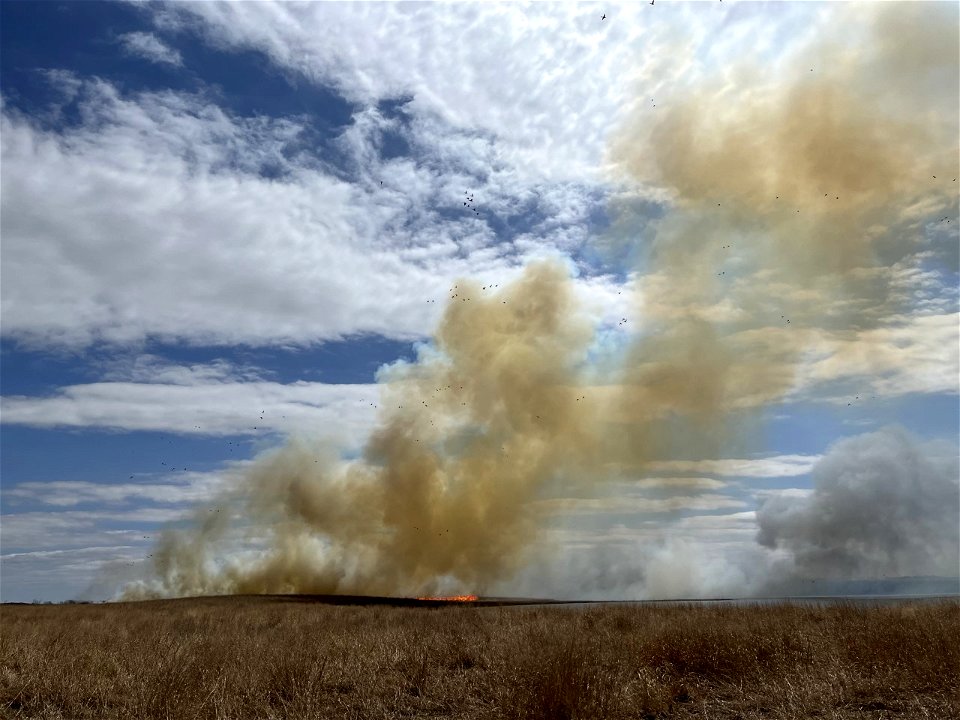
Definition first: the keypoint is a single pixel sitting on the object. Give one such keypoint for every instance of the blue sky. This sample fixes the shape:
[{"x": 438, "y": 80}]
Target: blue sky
[{"x": 222, "y": 222}]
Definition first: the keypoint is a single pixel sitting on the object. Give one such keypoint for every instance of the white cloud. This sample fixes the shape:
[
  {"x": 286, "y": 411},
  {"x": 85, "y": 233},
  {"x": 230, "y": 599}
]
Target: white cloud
[
  {"x": 549, "y": 80},
  {"x": 199, "y": 246},
  {"x": 196, "y": 245},
  {"x": 203, "y": 407},
  {"x": 909, "y": 354},
  {"x": 150, "y": 47},
  {"x": 643, "y": 495},
  {"x": 684, "y": 484},
  {"x": 737, "y": 528},
  {"x": 774, "y": 466},
  {"x": 110, "y": 549},
  {"x": 731, "y": 522},
  {"x": 635, "y": 504},
  {"x": 73, "y": 528},
  {"x": 66, "y": 574},
  {"x": 786, "y": 493},
  {"x": 187, "y": 487},
  {"x": 149, "y": 368}
]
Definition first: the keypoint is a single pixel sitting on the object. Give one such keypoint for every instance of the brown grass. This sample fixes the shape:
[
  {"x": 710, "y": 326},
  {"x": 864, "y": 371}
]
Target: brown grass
[{"x": 266, "y": 658}]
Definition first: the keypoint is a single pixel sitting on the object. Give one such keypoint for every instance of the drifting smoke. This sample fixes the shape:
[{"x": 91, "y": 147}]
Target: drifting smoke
[
  {"x": 468, "y": 436},
  {"x": 789, "y": 203},
  {"x": 883, "y": 504}
]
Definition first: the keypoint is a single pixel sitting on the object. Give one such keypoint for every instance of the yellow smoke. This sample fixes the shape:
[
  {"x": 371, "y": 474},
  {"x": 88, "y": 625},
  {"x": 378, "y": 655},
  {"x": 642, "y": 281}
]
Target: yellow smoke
[
  {"x": 791, "y": 201},
  {"x": 789, "y": 198},
  {"x": 468, "y": 436}
]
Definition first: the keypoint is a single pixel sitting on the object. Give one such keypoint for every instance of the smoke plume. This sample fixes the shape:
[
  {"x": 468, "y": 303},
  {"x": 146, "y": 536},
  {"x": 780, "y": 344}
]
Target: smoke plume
[
  {"x": 792, "y": 201},
  {"x": 790, "y": 197},
  {"x": 883, "y": 504},
  {"x": 468, "y": 436}
]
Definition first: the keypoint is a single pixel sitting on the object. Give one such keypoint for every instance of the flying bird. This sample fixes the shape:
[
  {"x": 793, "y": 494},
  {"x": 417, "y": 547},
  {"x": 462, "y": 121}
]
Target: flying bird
[{"x": 604, "y": 17}]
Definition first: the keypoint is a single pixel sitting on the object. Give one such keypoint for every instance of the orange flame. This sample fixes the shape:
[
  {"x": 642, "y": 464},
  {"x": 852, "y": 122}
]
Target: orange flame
[{"x": 451, "y": 598}]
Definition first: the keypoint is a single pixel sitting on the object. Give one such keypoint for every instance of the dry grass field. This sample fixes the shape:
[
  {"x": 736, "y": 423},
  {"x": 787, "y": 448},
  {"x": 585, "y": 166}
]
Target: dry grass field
[{"x": 249, "y": 657}]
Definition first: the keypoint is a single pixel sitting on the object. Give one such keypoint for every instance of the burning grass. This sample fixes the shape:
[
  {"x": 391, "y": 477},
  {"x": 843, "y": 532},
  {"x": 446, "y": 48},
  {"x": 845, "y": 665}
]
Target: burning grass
[{"x": 269, "y": 658}]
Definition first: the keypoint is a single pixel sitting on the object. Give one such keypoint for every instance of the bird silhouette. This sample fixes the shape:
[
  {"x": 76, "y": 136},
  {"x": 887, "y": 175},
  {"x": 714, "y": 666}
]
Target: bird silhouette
[{"x": 604, "y": 17}]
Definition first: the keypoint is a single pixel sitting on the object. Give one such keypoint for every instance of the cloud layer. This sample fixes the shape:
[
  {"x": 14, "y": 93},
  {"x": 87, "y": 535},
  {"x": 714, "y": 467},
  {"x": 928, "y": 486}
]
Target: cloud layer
[{"x": 150, "y": 47}]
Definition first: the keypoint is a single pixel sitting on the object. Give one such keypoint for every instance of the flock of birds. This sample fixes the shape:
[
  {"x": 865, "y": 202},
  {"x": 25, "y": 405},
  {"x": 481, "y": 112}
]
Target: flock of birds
[{"x": 468, "y": 203}]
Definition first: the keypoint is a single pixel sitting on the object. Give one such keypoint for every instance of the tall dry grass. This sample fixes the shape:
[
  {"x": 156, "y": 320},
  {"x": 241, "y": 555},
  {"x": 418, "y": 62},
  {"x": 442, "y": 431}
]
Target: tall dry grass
[{"x": 267, "y": 658}]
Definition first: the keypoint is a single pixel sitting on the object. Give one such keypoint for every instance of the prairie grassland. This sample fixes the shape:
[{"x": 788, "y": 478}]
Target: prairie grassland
[{"x": 246, "y": 657}]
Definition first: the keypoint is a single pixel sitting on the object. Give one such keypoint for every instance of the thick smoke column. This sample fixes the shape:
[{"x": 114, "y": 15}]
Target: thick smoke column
[
  {"x": 883, "y": 504},
  {"x": 789, "y": 202},
  {"x": 469, "y": 434}
]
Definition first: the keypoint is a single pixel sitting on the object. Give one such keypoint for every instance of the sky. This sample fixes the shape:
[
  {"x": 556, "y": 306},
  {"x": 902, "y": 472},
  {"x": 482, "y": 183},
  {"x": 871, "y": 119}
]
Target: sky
[{"x": 233, "y": 235}]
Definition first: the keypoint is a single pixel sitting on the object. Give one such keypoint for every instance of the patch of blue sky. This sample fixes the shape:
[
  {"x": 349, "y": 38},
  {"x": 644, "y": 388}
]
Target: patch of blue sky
[
  {"x": 521, "y": 219},
  {"x": 393, "y": 144},
  {"x": 395, "y": 108},
  {"x": 622, "y": 236},
  {"x": 84, "y": 39},
  {"x": 804, "y": 428},
  {"x": 810, "y": 427},
  {"x": 91, "y": 455},
  {"x": 944, "y": 260},
  {"x": 351, "y": 361},
  {"x": 461, "y": 208},
  {"x": 348, "y": 361},
  {"x": 529, "y": 216},
  {"x": 394, "y": 139},
  {"x": 32, "y": 372},
  {"x": 96, "y": 455}
]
